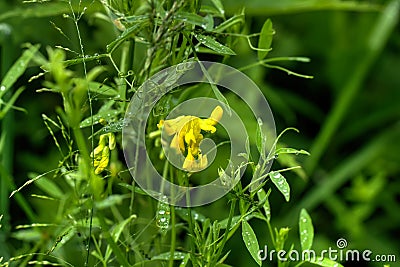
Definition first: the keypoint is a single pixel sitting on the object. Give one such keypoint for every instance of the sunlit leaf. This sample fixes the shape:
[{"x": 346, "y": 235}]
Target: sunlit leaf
[
  {"x": 265, "y": 40},
  {"x": 214, "y": 45},
  {"x": 281, "y": 183},
  {"x": 126, "y": 34},
  {"x": 219, "y": 6},
  {"x": 17, "y": 69},
  {"x": 306, "y": 230},
  {"x": 250, "y": 241},
  {"x": 195, "y": 19},
  {"x": 325, "y": 262},
  {"x": 167, "y": 255},
  {"x": 184, "y": 214},
  {"x": 107, "y": 115},
  {"x": 229, "y": 23},
  {"x": 263, "y": 197}
]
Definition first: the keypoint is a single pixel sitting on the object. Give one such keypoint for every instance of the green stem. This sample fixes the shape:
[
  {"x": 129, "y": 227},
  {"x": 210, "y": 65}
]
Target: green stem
[
  {"x": 221, "y": 245},
  {"x": 173, "y": 217},
  {"x": 173, "y": 236},
  {"x": 6, "y": 142}
]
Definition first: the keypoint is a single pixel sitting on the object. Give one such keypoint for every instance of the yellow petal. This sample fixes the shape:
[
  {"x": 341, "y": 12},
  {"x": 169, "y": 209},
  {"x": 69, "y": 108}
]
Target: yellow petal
[
  {"x": 207, "y": 125},
  {"x": 189, "y": 137},
  {"x": 216, "y": 114},
  {"x": 103, "y": 163},
  {"x": 175, "y": 143},
  {"x": 175, "y": 125},
  {"x": 189, "y": 161},
  {"x": 111, "y": 141}
]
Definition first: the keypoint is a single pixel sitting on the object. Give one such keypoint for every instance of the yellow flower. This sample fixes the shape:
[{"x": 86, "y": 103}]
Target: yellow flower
[
  {"x": 187, "y": 136},
  {"x": 101, "y": 154}
]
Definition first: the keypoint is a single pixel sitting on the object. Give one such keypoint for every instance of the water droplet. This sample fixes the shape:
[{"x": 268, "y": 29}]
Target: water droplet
[
  {"x": 276, "y": 175},
  {"x": 2, "y": 88},
  {"x": 161, "y": 212}
]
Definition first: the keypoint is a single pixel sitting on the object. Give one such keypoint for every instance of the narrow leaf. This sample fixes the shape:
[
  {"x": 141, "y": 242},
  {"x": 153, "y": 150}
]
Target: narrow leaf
[
  {"x": 167, "y": 255},
  {"x": 325, "y": 262},
  {"x": 110, "y": 201},
  {"x": 219, "y": 6},
  {"x": 263, "y": 197},
  {"x": 17, "y": 69},
  {"x": 195, "y": 19},
  {"x": 125, "y": 35},
  {"x": 261, "y": 138},
  {"x": 250, "y": 240},
  {"x": 49, "y": 187},
  {"x": 215, "y": 89},
  {"x": 265, "y": 40},
  {"x": 214, "y": 45},
  {"x": 281, "y": 183},
  {"x": 291, "y": 151},
  {"x": 306, "y": 230},
  {"x": 229, "y": 23},
  {"x": 107, "y": 115}
]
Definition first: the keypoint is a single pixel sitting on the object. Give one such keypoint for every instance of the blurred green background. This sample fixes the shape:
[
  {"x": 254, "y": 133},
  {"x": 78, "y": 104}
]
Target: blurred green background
[{"x": 348, "y": 115}]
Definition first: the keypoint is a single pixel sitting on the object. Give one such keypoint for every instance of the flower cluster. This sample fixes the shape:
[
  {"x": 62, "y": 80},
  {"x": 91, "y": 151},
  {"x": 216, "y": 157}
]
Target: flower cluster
[
  {"x": 101, "y": 154},
  {"x": 187, "y": 136}
]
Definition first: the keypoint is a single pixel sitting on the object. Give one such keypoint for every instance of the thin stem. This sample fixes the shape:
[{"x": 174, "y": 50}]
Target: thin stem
[
  {"x": 228, "y": 226},
  {"x": 173, "y": 236}
]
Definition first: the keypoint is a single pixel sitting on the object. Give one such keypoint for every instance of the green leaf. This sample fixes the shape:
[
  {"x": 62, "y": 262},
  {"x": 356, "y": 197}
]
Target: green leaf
[
  {"x": 325, "y": 262},
  {"x": 27, "y": 235},
  {"x": 281, "y": 183},
  {"x": 263, "y": 197},
  {"x": 195, "y": 19},
  {"x": 219, "y": 6},
  {"x": 11, "y": 102},
  {"x": 229, "y": 23},
  {"x": 37, "y": 11},
  {"x": 102, "y": 89},
  {"x": 184, "y": 214},
  {"x": 110, "y": 201},
  {"x": 265, "y": 40},
  {"x": 215, "y": 89},
  {"x": 167, "y": 255},
  {"x": 224, "y": 223},
  {"x": 214, "y": 45},
  {"x": 261, "y": 138},
  {"x": 250, "y": 240},
  {"x": 17, "y": 69},
  {"x": 126, "y": 34},
  {"x": 306, "y": 230},
  {"x": 49, "y": 187},
  {"x": 106, "y": 114},
  {"x": 117, "y": 230},
  {"x": 291, "y": 151}
]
